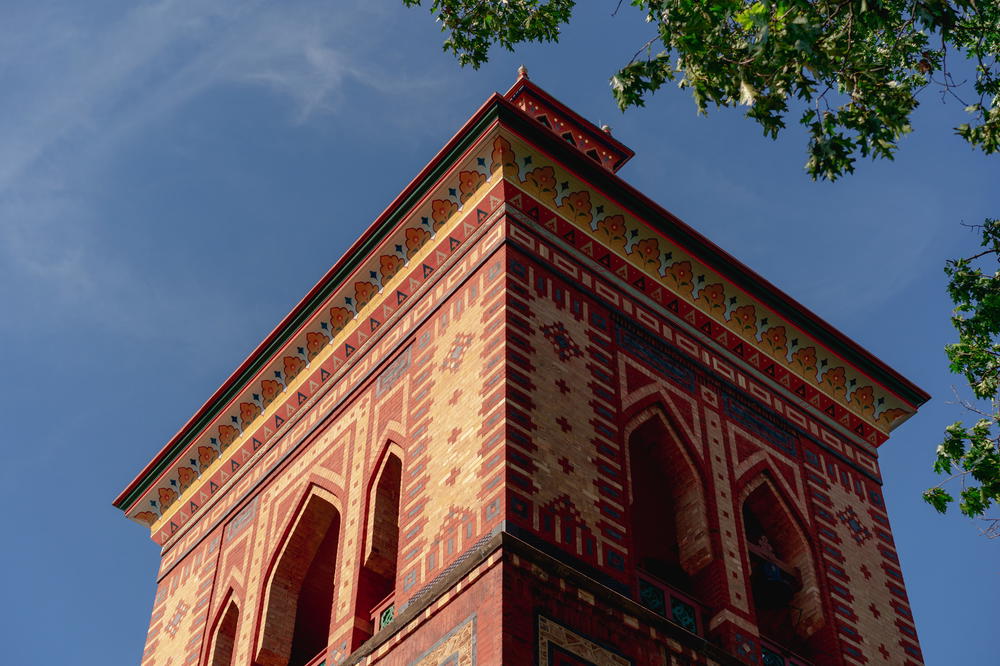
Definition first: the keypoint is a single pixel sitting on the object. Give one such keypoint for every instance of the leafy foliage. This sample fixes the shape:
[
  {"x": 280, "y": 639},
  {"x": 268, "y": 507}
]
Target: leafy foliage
[
  {"x": 974, "y": 451},
  {"x": 852, "y": 69},
  {"x": 475, "y": 25}
]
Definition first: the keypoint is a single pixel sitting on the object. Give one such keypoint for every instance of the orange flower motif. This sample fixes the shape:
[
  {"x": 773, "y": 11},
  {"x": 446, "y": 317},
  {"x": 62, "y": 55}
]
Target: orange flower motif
[
  {"x": 206, "y": 454},
  {"x": 806, "y": 358},
  {"x": 714, "y": 296},
  {"x": 339, "y": 318},
  {"x": 543, "y": 181},
  {"x": 613, "y": 226},
  {"x": 836, "y": 379},
  {"x": 775, "y": 338},
  {"x": 415, "y": 239},
  {"x": 468, "y": 183},
  {"x": 185, "y": 477},
  {"x": 890, "y": 415},
  {"x": 248, "y": 412},
  {"x": 503, "y": 156},
  {"x": 227, "y": 435},
  {"x": 389, "y": 265},
  {"x": 680, "y": 274},
  {"x": 441, "y": 210},
  {"x": 863, "y": 399},
  {"x": 147, "y": 517},
  {"x": 269, "y": 390},
  {"x": 315, "y": 341},
  {"x": 293, "y": 366},
  {"x": 649, "y": 250},
  {"x": 744, "y": 320},
  {"x": 167, "y": 497},
  {"x": 578, "y": 205},
  {"x": 363, "y": 292},
  {"x": 746, "y": 316}
]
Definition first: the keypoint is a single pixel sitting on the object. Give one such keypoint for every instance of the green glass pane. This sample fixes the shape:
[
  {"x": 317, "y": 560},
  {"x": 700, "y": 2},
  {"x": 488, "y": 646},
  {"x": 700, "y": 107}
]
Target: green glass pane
[
  {"x": 771, "y": 658},
  {"x": 387, "y": 616},
  {"x": 652, "y": 598},
  {"x": 684, "y": 614}
]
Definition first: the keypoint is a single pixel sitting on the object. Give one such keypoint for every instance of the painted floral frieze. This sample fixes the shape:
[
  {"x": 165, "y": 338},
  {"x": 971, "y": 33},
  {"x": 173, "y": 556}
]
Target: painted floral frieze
[
  {"x": 697, "y": 283},
  {"x": 357, "y": 306}
]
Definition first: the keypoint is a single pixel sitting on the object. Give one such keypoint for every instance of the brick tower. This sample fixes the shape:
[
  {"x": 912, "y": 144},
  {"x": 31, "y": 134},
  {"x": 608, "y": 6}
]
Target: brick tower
[{"x": 533, "y": 418}]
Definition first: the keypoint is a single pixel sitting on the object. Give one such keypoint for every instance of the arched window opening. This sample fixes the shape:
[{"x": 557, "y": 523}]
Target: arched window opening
[
  {"x": 654, "y": 506},
  {"x": 225, "y": 637},
  {"x": 669, "y": 523},
  {"x": 377, "y": 580},
  {"x": 670, "y": 538},
  {"x": 782, "y": 576},
  {"x": 299, "y": 600}
]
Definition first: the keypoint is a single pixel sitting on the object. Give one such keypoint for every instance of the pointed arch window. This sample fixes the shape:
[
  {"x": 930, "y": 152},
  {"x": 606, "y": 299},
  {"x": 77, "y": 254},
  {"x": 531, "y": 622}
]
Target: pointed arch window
[
  {"x": 377, "y": 579},
  {"x": 669, "y": 524},
  {"x": 783, "y": 582},
  {"x": 300, "y": 591},
  {"x": 224, "y": 641}
]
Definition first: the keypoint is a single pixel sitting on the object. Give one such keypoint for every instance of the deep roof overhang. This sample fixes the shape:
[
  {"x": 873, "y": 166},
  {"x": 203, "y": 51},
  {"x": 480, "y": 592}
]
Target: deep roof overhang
[
  {"x": 726, "y": 264},
  {"x": 475, "y": 127}
]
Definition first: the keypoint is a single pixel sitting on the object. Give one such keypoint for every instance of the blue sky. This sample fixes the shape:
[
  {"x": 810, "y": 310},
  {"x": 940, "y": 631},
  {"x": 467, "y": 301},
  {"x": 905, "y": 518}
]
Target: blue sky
[{"x": 176, "y": 174}]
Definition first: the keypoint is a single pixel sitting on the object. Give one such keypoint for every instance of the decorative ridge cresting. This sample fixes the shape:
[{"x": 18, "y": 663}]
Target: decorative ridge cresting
[{"x": 578, "y": 132}]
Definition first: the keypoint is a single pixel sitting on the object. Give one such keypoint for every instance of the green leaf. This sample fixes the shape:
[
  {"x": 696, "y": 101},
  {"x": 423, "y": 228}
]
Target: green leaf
[
  {"x": 938, "y": 498},
  {"x": 754, "y": 16}
]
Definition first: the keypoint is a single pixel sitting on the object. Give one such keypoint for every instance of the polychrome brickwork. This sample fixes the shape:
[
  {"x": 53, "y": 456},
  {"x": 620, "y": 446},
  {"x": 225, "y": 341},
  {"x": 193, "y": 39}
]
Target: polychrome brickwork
[
  {"x": 569, "y": 626},
  {"x": 663, "y": 270},
  {"x": 461, "y": 629},
  {"x": 370, "y": 298},
  {"x": 181, "y": 608},
  {"x": 504, "y": 331},
  {"x": 568, "y": 478},
  {"x": 442, "y": 382},
  {"x": 667, "y": 273}
]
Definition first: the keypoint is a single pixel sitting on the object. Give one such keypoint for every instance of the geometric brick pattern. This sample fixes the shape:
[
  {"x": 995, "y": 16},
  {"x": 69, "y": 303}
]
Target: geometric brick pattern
[
  {"x": 814, "y": 474},
  {"x": 507, "y": 360},
  {"x": 360, "y": 303}
]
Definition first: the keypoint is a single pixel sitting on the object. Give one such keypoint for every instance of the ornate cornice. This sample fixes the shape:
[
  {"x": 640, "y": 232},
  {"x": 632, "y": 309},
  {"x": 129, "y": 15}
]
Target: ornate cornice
[
  {"x": 637, "y": 252},
  {"x": 581, "y": 199},
  {"x": 338, "y": 326}
]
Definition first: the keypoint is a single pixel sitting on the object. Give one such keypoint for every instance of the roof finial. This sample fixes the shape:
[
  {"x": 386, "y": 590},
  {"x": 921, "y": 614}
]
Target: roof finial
[
  {"x": 522, "y": 72},
  {"x": 606, "y": 129}
]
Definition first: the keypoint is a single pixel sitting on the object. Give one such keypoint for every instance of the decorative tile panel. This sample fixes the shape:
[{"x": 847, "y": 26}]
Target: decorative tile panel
[{"x": 560, "y": 645}]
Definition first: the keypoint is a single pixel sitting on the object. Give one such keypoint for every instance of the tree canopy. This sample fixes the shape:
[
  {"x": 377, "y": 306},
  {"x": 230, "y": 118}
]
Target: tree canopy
[
  {"x": 973, "y": 452},
  {"x": 852, "y": 69},
  {"x": 852, "y": 72}
]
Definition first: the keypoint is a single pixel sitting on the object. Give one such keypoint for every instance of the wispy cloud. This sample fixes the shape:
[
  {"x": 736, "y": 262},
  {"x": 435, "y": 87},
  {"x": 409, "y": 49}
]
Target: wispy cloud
[{"x": 83, "y": 81}]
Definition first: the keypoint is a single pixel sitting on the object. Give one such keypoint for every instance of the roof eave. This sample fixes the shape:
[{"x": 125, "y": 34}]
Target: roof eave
[
  {"x": 497, "y": 107},
  {"x": 721, "y": 260},
  {"x": 477, "y": 125}
]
